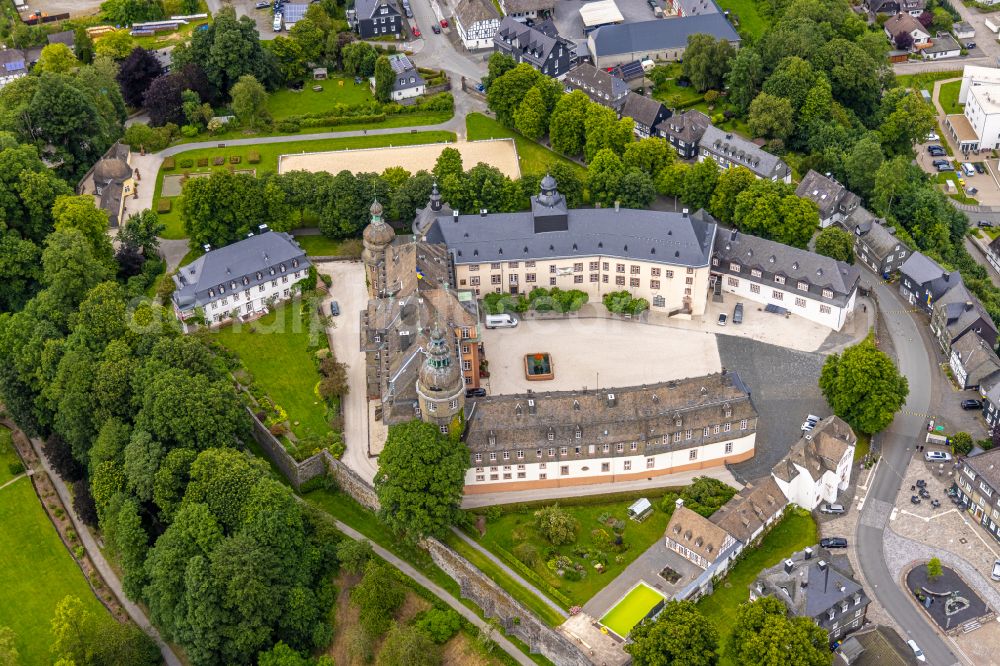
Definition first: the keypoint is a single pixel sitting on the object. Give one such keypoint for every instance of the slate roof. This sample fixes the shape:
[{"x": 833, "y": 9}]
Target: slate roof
[
  {"x": 66, "y": 37},
  {"x": 880, "y": 238},
  {"x": 525, "y": 6},
  {"x": 696, "y": 533},
  {"x": 742, "y": 152},
  {"x": 943, "y": 43},
  {"x": 470, "y": 12},
  {"x": 366, "y": 9},
  {"x": 404, "y": 69},
  {"x": 986, "y": 466},
  {"x": 875, "y": 646},
  {"x": 237, "y": 267},
  {"x": 923, "y": 270},
  {"x": 771, "y": 257},
  {"x": 698, "y": 7},
  {"x": 995, "y": 245},
  {"x": 903, "y": 22},
  {"x": 829, "y": 195},
  {"x": 599, "y": 85},
  {"x": 817, "y": 451},
  {"x": 689, "y": 126},
  {"x": 673, "y": 238},
  {"x": 533, "y": 45},
  {"x": 644, "y": 110},
  {"x": 825, "y": 586},
  {"x": 981, "y": 363},
  {"x": 962, "y": 309},
  {"x": 659, "y": 34},
  {"x": 748, "y": 510}
]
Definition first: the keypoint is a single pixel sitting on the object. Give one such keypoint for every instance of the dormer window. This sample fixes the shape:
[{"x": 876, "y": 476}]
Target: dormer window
[
  {"x": 551, "y": 435},
  {"x": 271, "y": 270},
  {"x": 295, "y": 263},
  {"x": 282, "y": 268}
]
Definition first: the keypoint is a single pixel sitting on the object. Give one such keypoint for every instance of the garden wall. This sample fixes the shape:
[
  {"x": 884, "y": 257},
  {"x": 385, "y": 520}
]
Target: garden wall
[{"x": 515, "y": 619}]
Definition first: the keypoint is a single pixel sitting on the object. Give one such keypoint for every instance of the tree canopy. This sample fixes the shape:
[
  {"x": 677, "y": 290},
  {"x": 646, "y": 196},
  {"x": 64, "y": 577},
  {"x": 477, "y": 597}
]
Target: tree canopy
[
  {"x": 863, "y": 387},
  {"x": 679, "y": 636}
]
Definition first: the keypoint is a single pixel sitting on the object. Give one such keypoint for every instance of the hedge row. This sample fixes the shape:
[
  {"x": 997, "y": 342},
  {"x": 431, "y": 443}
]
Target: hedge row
[{"x": 583, "y": 500}]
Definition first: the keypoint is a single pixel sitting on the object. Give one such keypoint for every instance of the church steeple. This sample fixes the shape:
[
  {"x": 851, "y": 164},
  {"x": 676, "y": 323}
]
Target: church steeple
[{"x": 435, "y": 198}]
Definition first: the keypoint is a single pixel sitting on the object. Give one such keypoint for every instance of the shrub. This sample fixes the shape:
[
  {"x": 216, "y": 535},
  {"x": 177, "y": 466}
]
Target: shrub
[
  {"x": 185, "y": 162},
  {"x": 234, "y": 159},
  {"x": 168, "y": 163},
  {"x": 288, "y": 126},
  {"x": 164, "y": 205},
  {"x": 15, "y": 468},
  {"x": 218, "y": 160},
  {"x": 253, "y": 157},
  {"x": 961, "y": 443},
  {"x": 83, "y": 501},
  {"x": 527, "y": 553},
  {"x": 621, "y": 302},
  {"x": 556, "y": 525},
  {"x": 439, "y": 624},
  {"x": 493, "y": 514},
  {"x": 203, "y": 161},
  {"x": 327, "y": 280},
  {"x": 189, "y": 131},
  {"x": 572, "y": 574}
]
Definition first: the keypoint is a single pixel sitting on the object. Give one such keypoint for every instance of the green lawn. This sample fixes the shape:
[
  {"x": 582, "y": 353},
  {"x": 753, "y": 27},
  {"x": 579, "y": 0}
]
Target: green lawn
[
  {"x": 949, "y": 97},
  {"x": 533, "y": 157},
  {"x": 631, "y": 609},
  {"x": 8, "y": 456},
  {"x": 752, "y": 22},
  {"x": 863, "y": 446},
  {"x": 673, "y": 95},
  {"x": 269, "y": 153},
  {"x": 275, "y": 349},
  {"x": 321, "y": 246},
  {"x": 512, "y": 529},
  {"x": 795, "y": 531},
  {"x": 38, "y": 573},
  {"x": 285, "y": 102},
  {"x": 925, "y": 81}
]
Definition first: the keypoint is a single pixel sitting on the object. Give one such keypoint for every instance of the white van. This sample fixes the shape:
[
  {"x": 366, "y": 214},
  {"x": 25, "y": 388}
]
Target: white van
[
  {"x": 968, "y": 169},
  {"x": 277, "y": 22},
  {"x": 501, "y": 321}
]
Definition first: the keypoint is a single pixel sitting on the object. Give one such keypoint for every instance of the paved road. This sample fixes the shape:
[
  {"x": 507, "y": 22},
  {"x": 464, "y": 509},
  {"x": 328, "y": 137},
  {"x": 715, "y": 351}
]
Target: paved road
[
  {"x": 441, "y": 593},
  {"x": 97, "y": 557},
  {"x": 897, "y": 449},
  {"x": 510, "y": 572}
]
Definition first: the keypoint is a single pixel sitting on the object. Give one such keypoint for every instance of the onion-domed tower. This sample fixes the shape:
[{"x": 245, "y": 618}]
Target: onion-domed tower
[
  {"x": 440, "y": 387},
  {"x": 377, "y": 237}
]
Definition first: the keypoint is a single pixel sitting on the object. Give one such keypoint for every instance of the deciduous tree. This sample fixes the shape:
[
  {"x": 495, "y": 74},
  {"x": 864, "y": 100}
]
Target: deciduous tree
[
  {"x": 566, "y": 124},
  {"x": 836, "y": 243},
  {"x": 679, "y": 636},
  {"x": 556, "y": 525},
  {"x": 56, "y": 58},
  {"x": 136, "y": 73},
  {"x": 728, "y": 186},
  {"x": 377, "y": 596},
  {"x": 604, "y": 174},
  {"x": 863, "y": 387},
  {"x": 507, "y": 91},
  {"x": 771, "y": 117},
  {"x": 530, "y": 117},
  {"x": 699, "y": 184},
  {"x": 249, "y": 100},
  {"x": 763, "y": 634},
  {"x": 408, "y": 645},
  {"x": 384, "y": 77},
  {"x": 706, "y": 61}
]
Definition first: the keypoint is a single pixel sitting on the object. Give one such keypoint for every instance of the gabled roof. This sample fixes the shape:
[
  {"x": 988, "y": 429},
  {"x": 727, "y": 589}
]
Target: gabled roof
[
  {"x": 689, "y": 126},
  {"x": 12, "y": 61},
  {"x": 926, "y": 272},
  {"x": 743, "y": 152},
  {"x": 366, "y": 9},
  {"x": 904, "y": 23},
  {"x": 981, "y": 363},
  {"x": 880, "y": 238},
  {"x": 599, "y": 85},
  {"x": 697, "y": 7},
  {"x": 659, "y": 34},
  {"x": 809, "y": 587},
  {"x": 66, "y": 37},
  {"x": 533, "y": 45},
  {"x": 696, "y": 533},
  {"x": 826, "y": 193},
  {"x": 962, "y": 309},
  {"x": 644, "y": 110},
  {"x": 748, "y": 510},
  {"x": 470, "y": 12},
  {"x": 986, "y": 466},
  {"x": 817, "y": 451},
  {"x": 875, "y": 646}
]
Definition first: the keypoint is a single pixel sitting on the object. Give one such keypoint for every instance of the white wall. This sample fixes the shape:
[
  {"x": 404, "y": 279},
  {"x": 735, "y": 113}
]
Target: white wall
[
  {"x": 253, "y": 299},
  {"x": 834, "y": 319},
  {"x": 986, "y": 125},
  {"x": 478, "y": 36}
]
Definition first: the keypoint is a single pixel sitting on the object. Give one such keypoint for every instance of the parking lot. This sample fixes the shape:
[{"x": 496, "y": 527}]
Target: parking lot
[
  {"x": 570, "y": 25},
  {"x": 262, "y": 17}
]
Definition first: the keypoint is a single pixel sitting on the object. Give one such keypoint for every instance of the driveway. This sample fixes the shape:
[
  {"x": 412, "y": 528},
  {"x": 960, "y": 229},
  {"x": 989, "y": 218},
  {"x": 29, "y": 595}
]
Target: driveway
[{"x": 344, "y": 333}]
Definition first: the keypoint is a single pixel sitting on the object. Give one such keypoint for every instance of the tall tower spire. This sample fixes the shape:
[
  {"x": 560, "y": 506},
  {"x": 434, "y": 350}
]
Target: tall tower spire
[
  {"x": 440, "y": 386},
  {"x": 377, "y": 237}
]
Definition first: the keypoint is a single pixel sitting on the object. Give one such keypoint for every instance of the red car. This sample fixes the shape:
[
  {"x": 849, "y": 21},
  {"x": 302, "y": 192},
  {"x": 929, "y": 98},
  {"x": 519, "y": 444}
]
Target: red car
[
  {"x": 415, "y": 31},
  {"x": 444, "y": 23}
]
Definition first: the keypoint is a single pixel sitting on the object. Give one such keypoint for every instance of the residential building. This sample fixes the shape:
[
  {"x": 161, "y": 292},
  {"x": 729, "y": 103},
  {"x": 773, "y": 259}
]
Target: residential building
[
  {"x": 600, "y": 86},
  {"x": 751, "y": 512},
  {"x": 111, "y": 182},
  {"x": 977, "y": 479},
  {"x": 943, "y": 46},
  {"x": 592, "y": 436},
  {"x": 811, "y": 586},
  {"x": 660, "y": 256},
  {"x": 963, "y": 30},
  {"x": 989, "y": 391},
  {"x": 684, "y": 132},
  {"x": 804, "y": 283},
  {"x": 874, "y": 645},
  {"x": 835, "y": 202},
  {"x": 818, "y": 466},
  {"x": 477, "y": 23},
  {"x": 958, "y": 313},
  {"x": 973, "y": 362},
  {"x": 696, "y": 538},
  {"x": 993, "y": 253},
  {"x": 13, "y": 65},
  {"x": 241, "y": 280},
  {"x": 892, "y": 7},
  {"x": 550, "y": 54},
  {"x": 683, "y": 8},
  {"x": 645, "y": 112},
  {"x": 407, "y": 81},
  {"x": 377, "y": 18},
  {"x": 923, "y": 281},
  {"x": 972, "y": 76},
  {"x": 982, "y": 111},
  {"x": 876, "y": 245},
  {"x": 902, "y": 22},
  {"x": 527, "y": 9},
  {"x": 67, "y": 37},
  {"x": 655, "y": 39},
  {"x": 732, "y": 150}
]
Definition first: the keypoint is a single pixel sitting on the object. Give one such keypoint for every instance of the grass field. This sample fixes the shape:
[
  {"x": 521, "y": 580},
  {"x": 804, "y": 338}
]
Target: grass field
[
  {"x": 949, "y": 97},
  {"x": 283, "y": 103},
  {"x": 275, "y": 349},
  {"x": 321, "y": 246},
  {"x": 269, "y": 161},
  {"x": 533, "y": 157},
  {"x": 512, "y": 529},
  {"x": 795, "y": 531},
  {"x": 631, "y": 609},
  {"x": 38, "y": 573},
  {"x": 7, "y": 457},
  {"x": 752, "y": 22},
  {"x": 925, "y": 81}
]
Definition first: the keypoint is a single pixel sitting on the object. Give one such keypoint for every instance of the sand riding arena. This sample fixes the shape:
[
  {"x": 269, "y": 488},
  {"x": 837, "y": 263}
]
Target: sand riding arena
[{"x": 500, "y": 153}]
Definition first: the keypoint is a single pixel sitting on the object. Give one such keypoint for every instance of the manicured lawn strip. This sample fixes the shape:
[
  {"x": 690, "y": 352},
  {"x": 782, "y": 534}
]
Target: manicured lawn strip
[
  {"x": 925, "y": 80},
  {"x": 275, "y": 349},
  {"x": 512, "y": 529},
  {"x": 7, "y": 455},
  {"x": 752, "y": 23},
  {"x": 285, "y": 102},
  {"x": 38, "y": 573},
  {"x": 795, "y": 531},
  {"x": 533, "y": 157},
  {"x": 948, "y": 97},
  {"x": 269, "y": 153},
  {"x": 321, "y": 246},
  {"x": 498, "y": 576},
  {"x": 629, "y": 611},
  {"x": 863, "y": 446}
]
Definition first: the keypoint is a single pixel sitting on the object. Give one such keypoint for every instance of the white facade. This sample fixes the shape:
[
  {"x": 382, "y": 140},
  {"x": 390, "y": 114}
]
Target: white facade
[
  {"x": 809, "y": 493},
  {"x": 982, "y": 109},
  {"x": 822, "y": 312},
  {"x": 972, "y": 76},
  {"x": 479, "y": 35},
  {"x": 562, "y": 466},
  {"x": 249, "y": 301}
]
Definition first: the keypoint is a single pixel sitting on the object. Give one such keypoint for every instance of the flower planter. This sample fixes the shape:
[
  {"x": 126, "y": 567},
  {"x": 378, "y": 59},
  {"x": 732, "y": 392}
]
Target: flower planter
[{"x": 538, "y": 367}]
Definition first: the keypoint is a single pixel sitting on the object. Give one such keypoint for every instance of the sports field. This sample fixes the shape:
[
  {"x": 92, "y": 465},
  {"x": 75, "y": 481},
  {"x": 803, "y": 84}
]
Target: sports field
[
  {"x": 500, "y": 153},
  {"x": 631, "y": 609}
]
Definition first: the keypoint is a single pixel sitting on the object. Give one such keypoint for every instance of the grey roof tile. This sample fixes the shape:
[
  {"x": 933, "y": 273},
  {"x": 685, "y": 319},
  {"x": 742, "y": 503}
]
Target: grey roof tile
[{"x": 659, "y": 34}]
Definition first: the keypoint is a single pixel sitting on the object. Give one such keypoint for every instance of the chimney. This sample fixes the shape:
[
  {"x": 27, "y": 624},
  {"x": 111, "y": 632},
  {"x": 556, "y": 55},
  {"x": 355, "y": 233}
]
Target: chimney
[
  {"x": 968, "y": 305},
  {"x": 207, "y": 248},
  {"x": 263, "y": 228},
  {"x": 789, "y": 565},
  {"x": 822, "y": 565},
  {"x": 679, "y": 503},
  {"x": 617, "y": 205},
  {"x": 808, "y": 553},
  {"x": 733, "y": 234}
]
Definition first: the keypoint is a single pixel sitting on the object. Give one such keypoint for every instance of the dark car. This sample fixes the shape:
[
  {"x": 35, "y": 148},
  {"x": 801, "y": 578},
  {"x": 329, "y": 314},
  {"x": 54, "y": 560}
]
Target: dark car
[
  {"x": 940, "y": 163},
  {"x": 970, "y": 45},
  {"x": 262, "y": 5},
  {"x": 978, "y": 166},
  {"x": 833, "y": 542},
  {"x": 475, "y": 393},
  {"x": 984, "y": 224},
  {"x": 972, "y": 404},
  {"x": 436, "y": 28},
  {"x": 738, "y": 314},
  {"x": 945, "y": 167},
  {"x": 335, "y": 308}
]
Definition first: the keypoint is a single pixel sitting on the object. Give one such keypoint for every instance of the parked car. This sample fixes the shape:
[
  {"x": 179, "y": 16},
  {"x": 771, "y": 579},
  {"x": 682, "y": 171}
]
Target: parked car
[
  {"x": 970, "y": 45},
  {"x": 475, "y": 393},
  {"x": 978, "y": 166},
  {"x": 940, "y": 163},
  {"x": 995, "y": 575},
  {"x": 262, "y": 5},
  {"x": 972, "y": 190},
  {"x": 444, "y": 23},
  {"x": 972, "y": 404},
  {"x": 937, "y": 456},
  {"x": 722, "y": 319},
  {"x": 415, "y": 31},
  {"x": 738, "y": 314},
  {"x": 832, "y": 508},
  {"x": 335, "y": 308},
  {"x": 918, "y": 654},
  {"x": 935, "y": 147},
  {"x": 480, "y": 88},
  {"x": 833, "y": 542},
  {"x": 933, "y": 137},
  {"x": 436, "y": 28},
  {"x": 984, "y": 224},
  {"x": 947, "y": 167},
  {"x": 408, "y": 12}
]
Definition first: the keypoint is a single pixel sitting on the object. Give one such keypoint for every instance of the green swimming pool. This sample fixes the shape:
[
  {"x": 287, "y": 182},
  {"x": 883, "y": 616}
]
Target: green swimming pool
[{"x": 631, "y": 609}]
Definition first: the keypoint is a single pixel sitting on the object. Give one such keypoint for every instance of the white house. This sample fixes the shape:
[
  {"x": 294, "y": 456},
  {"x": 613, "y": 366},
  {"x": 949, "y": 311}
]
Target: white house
[
  {"x": 476, "y": 21},
  {"x": 944, "y": 46},
  {"x": 730, "y": 150},
  {"x": 818, "y": 466},
  {"x": 241, "y": 279},
  {"x": 906, "y": 23},
  {"x": 982, "y": 110},
  {"x": 13, "y": 65},
  {"x": 407, "y": 81},
  {"x": 803, "y": 283},
  {"x": 973, "y": 75}
]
